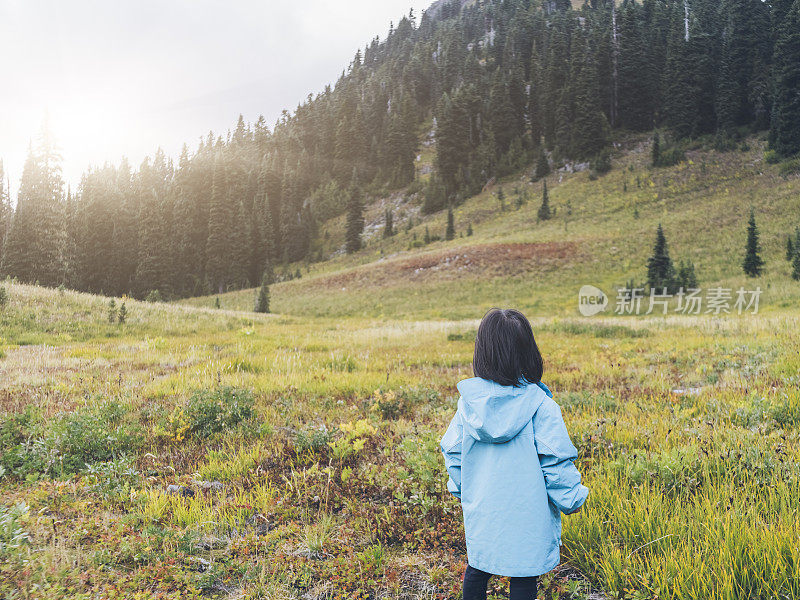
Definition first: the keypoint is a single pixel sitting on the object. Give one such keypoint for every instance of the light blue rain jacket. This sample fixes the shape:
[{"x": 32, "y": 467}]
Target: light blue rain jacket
[{"x": 509, "y": 459}]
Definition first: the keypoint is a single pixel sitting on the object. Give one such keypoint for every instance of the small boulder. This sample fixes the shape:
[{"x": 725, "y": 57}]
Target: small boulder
[
  {"x": 214, "y": 486},
  {"x": 180, "y": 490}
]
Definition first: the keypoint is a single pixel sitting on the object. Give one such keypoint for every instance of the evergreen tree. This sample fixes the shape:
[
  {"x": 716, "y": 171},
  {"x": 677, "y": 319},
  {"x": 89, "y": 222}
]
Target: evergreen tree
[
  {"x": 355, "y": 218},
  {"x": 450, "y": 232},
  {"x": 262, "y": 303},
  {"x": 742, "y": 87},
  {"x": 6, "y": 210},
  {"x": 687, "y": 279},
  {"x": 753, "y": 264},
  {"x": 388, "y": 227},
  {"x": 544, "y": 210},
  {"x": 452, "y": 145},
  {"x": 402, "y": 142},
  {"x": 796, "y": 257},
  {"x": 154, "y": 260},
  {"x": 112, "y": 311},
  {"x": 796, "y": 265},
  {"x": 636, "y": 77},
  {"x": 542, "y": 165},
  {"x": 797, "y": 240},
  {"x": 655, "y": 150},
  {"x": 504, "y": 121},
  {"x": 660, "y": 270},
  {"x": 688, "y": 106},
  {"x": 785, "y": 125},
  {"x": 27, "y": 247},
  {"x": 51, "y": 216},
  {"x": 241, "y": 249},
  {"x": 789, "y": 248},
  {"x": 218, "y": 228},
  {"x": 35, "y": 242},
  {"x": 469, "y": 230},
  {"x": 589, "y": 129}
]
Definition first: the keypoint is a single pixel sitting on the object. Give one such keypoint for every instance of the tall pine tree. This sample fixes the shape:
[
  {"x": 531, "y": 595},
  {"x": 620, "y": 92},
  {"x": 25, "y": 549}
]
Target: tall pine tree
[
  {"x": 660, "y": 269},
  {"x": 218, "y": 230},
  {"x": 785, "y": 124},
  {"x": 355, "y": 217},
  {"x": 753, "y": 264}
]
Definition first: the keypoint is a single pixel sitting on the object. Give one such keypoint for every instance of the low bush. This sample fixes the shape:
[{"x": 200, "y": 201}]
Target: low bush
[
  {"x": 598, "y": 331},
  {"x": 601, "y": 164},
  {"x": 789, "y": 167},
  {"x": 388, "y": 404},
  {"x": 462, "y": 336},
  {"x": 313, "y": 440},
  {"x": 70, "y": 443},
  {"x": 671, "y": 157},
  {"x": 113, "y": 480},
  {"x": 12, "y": 531},
  {"x": 214, "y": 411}
]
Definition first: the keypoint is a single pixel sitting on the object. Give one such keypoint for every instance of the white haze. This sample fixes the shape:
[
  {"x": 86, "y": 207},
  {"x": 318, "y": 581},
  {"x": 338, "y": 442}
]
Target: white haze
[{"x": 124, "y": 77}]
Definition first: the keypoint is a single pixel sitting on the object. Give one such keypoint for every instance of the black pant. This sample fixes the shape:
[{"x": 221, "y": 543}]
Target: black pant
[{"x": 475, "y": 582}]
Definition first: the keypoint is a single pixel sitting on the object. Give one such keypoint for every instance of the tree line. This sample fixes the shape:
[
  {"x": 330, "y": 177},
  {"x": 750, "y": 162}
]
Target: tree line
[{"x": 502, "y": 84}]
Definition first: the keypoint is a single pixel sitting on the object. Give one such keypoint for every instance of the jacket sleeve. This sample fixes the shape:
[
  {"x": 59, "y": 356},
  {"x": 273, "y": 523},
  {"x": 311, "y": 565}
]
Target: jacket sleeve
[
  {"x": 451, "y": 448},
  {"x": 556, "y": 456}
]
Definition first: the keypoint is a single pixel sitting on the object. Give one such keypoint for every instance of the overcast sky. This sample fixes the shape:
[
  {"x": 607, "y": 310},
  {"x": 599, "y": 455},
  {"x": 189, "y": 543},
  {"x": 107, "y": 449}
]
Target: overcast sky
[{"x": 122, "y": 77}]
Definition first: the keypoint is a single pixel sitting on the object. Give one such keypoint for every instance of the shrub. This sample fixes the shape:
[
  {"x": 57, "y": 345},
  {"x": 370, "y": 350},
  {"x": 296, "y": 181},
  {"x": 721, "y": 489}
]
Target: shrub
[
  {"x": 3, "y": 297},
  {"x": 123, "y": 314},
  {"x": 354, "y": 437},
  {"x": 601, "y": 164},
  {"x": 415, "y": 187},
  {"x": 462, "y": 336},
  {"x": 789, "y": 167},
  {"x": 12, "y": 532},
  {"x": 420, "y": 483},
  {"x": 92, "y": 435},
  {"x": 771, "y": 157},
  {"x": 671, "y": 156},
  {"x": 113, "y": 480},
  {"x": 210, "y": 412},
  {"x": 32, "y": 447},
  {"x": 389, "y": 404},
  {"x": 598, "y": 330},
  {"x": 314, "y": 440},
  {"x": 16, "y": 456},
  {"x": 153, "y": 296}
]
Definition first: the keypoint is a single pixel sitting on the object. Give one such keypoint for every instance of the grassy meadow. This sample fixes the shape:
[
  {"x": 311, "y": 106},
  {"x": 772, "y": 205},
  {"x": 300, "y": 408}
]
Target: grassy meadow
[
  {"x": 194, "y": 451},
  {"x": 602, "y": 233}
]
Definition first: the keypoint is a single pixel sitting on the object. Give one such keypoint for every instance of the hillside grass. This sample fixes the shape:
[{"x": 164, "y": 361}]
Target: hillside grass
[{"x": 702, "y": 203}]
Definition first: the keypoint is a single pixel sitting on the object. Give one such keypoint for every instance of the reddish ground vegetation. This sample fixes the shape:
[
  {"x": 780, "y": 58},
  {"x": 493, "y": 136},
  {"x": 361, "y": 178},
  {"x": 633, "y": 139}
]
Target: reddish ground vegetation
[{"x": 486, "y": 260}]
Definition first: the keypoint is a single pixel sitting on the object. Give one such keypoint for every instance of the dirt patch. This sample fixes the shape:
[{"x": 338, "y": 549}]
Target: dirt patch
[{"x": 486, "y": 261}]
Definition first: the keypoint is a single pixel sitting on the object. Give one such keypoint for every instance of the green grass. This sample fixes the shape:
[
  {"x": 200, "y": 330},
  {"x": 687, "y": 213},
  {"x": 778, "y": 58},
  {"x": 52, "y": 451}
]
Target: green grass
[{"x": 320, "y": 424}]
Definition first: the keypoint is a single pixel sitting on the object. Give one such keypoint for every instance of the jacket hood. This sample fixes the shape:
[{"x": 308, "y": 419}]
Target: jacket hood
[{"x": 497, "y": 413}]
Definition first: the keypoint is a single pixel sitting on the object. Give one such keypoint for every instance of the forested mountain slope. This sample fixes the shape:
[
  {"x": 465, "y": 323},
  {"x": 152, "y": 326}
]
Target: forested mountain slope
[
  {"x": 601, "y": 231},
  {"x": 503, "y": 85}
]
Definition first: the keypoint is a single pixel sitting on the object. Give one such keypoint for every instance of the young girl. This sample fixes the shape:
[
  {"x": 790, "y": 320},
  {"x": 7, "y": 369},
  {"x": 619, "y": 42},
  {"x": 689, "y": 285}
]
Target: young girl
[{"x": 509, "y": 461}]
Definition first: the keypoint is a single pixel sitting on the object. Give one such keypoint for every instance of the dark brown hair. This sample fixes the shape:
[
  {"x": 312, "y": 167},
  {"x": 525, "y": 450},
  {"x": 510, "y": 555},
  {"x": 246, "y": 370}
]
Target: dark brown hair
[{"x": 505, "y": 350}]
